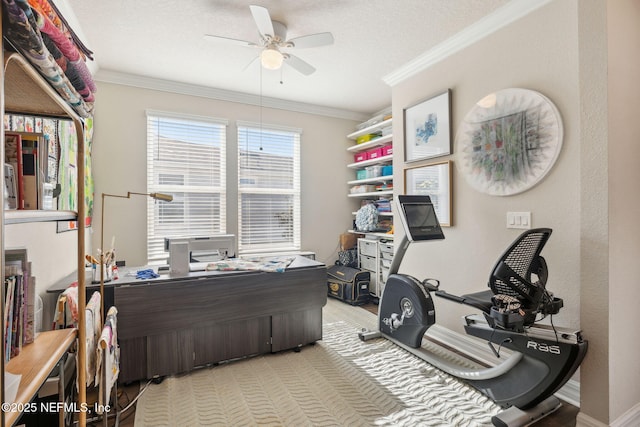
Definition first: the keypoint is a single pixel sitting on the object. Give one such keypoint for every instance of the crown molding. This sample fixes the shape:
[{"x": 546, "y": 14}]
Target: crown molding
[
  {"x": 502, "y": 17},
  {"x": 134, "y": 80}
]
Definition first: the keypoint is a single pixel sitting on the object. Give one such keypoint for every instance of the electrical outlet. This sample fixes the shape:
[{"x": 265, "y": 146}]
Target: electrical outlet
[{"x": 519, "y": 220}]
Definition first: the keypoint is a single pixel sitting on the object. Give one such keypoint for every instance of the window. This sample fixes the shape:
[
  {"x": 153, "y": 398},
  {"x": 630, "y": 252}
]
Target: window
[
  {"x": 268, "y": 188},
  {"x": 185, "y": 158}
]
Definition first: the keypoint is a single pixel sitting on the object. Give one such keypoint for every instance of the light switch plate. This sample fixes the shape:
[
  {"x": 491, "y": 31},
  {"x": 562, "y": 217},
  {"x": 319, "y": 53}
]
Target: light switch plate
[{"x": 519, "y": 220}]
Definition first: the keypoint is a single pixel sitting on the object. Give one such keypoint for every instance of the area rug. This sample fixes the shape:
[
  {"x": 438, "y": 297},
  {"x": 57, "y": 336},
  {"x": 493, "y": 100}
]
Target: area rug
[{"x": 339, "y": 381}]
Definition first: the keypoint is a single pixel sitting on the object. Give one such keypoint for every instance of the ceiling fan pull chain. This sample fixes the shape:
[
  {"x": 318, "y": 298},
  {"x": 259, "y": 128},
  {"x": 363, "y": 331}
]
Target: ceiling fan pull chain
[{"x": 260, "y": 108}]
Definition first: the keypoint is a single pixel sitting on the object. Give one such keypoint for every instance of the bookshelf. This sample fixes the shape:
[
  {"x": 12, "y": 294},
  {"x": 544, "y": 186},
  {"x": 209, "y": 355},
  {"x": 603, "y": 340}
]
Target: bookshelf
[
  {"x": 24, "y": 91},
  {"x": 36, "y": 362}
]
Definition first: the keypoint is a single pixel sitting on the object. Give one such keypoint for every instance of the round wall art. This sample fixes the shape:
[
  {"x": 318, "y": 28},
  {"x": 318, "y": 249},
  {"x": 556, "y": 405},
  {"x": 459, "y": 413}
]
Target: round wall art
[{"x": 508, "y": 141}]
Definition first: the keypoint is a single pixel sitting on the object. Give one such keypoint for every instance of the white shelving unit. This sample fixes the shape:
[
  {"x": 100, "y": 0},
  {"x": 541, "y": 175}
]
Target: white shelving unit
[
  {"x": 375, "y": 253},
  {"x": 384, "y": 160}
]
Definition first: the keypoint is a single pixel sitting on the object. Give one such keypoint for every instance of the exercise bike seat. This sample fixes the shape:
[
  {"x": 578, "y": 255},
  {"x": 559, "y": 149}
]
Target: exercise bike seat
[{"x": 480, "y": 300}]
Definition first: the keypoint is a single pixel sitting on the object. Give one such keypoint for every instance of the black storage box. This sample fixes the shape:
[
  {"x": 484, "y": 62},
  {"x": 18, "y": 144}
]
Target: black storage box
[{"x": 348, "y": 284}]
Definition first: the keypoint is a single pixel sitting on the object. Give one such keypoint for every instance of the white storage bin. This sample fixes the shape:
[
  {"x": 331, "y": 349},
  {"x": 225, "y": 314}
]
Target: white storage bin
[
  {"x": 356, "y": 189},
  {"x": 387, "y": 256},
  {"x": 368, "y": 247},
  {"x": 387, "y": 248},
  {"x": 374, "y": 171},
  {"x": 367, "y": 262}
]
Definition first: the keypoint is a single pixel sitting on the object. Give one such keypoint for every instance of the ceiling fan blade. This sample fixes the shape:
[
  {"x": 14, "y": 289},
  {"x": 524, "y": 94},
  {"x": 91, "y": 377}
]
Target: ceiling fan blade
[
  {"x": 251, "y": 63},
  {"x": 299, "y": 65},
  {"x": 228, "y": 41},
  {"x": 263, "y": 20},
  {"x": 312, "y": 40}
]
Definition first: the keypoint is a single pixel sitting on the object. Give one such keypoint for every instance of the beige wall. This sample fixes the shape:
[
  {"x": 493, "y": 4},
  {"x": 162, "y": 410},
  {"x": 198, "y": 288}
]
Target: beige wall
[
  {"x": 623, "y": 18},
  {"x": 588, "y": 198},
  {"x": 594, "y": 221},
  {"x": 119, "y": 164},
  {"x": 537, "y": 52}
]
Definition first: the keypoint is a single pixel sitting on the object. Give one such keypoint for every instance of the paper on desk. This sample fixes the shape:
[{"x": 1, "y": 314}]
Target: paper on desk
[{"x": 11, "y": 383}]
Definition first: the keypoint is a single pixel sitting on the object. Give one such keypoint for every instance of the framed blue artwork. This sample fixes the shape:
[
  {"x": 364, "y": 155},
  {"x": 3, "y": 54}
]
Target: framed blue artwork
[{"x": 427, "y": 128}]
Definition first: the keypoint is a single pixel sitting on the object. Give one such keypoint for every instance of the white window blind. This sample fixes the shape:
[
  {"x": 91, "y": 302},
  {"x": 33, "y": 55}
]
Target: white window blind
[
  {"x": 268, "y": 188},
  {"x": 185, "y": 158}
]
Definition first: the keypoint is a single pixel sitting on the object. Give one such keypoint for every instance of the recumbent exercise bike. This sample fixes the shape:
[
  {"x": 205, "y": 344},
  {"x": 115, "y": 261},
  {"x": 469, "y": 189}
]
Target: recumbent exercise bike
[{"x": 543, "y": 357}]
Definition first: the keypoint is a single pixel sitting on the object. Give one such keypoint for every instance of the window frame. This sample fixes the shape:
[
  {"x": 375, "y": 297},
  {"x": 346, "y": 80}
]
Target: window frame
[
  {"x": 185, "y": 196},
  {"x": 294, "y": 244}
]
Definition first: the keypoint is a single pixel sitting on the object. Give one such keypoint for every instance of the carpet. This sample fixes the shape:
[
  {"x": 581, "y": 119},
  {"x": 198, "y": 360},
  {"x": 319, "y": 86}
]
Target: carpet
[{"x": 339, "y": 381}]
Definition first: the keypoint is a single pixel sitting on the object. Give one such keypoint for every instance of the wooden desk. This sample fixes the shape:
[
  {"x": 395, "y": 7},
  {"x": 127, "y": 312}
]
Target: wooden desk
[
  {"x": 177, "y": 322},
  {"x": 35, "y": 362},
  {"x": 173, "y": 326}
]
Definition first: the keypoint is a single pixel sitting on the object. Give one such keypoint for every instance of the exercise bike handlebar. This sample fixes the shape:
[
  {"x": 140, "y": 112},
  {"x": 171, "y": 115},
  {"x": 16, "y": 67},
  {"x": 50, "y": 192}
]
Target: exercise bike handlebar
[{"x": 399, "y": 255}]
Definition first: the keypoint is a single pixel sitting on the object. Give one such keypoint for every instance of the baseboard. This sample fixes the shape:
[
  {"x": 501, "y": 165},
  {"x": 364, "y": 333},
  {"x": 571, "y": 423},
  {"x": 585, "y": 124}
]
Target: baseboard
[
  {"x": 629, "y": 418},
  {"x": 569, "y": 393},
  {"x": 583, "y": 420}
]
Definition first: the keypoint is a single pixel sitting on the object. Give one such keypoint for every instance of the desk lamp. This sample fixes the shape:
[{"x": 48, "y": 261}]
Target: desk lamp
[{"x": 156, "y": 196}]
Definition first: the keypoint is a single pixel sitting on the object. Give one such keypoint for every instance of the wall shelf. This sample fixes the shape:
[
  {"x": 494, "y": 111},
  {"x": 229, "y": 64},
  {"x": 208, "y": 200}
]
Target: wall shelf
[
  {"x": 386, "y": 178},
  {"x": 383, "y": 140},
  {"x": 22, "y": 216},
  {"x": 378, "y": 161},
  {"x": 370, "y": 129},
  {"x": 373, "y": 194}
]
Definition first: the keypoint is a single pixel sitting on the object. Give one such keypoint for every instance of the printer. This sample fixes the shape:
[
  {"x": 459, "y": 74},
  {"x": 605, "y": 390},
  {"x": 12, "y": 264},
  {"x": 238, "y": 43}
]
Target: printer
[{"x": 194, "y": 253}]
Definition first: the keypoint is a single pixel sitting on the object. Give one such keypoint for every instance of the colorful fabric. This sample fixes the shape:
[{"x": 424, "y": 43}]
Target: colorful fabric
[
  {"x": 93, "y": 324},
  {"x": 271, "y": 265},
  {"x": 108, "y": 357},
  {"x": 67, "y": 308},
  {"x": 68, "y": 49},
  {"x": 22, "y": 31},
  {"x": 146, "y": 274}
]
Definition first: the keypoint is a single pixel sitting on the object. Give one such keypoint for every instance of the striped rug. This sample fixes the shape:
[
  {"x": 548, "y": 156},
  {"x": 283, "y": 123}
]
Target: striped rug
[{"x": 339, "y": 381}]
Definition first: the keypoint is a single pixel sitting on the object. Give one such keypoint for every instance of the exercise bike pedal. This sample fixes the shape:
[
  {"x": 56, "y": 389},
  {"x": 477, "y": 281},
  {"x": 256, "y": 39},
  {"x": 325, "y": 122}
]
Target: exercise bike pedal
[{"x": 366, "y": 334}]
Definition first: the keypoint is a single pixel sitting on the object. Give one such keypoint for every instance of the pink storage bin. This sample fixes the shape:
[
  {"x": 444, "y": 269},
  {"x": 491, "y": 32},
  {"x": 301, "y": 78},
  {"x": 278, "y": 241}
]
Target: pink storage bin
[
  {"x": 375, "y": 153},
  {"x": 387, "y": 150},
  {"x": 362, "y": 156}
]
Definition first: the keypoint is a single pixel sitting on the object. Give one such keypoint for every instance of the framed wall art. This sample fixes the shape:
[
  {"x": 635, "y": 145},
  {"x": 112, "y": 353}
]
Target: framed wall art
[
  {"x": 433, "y": 180},
  {"x": 508, "y": 141},
  {"x": 427, "y": 128}
]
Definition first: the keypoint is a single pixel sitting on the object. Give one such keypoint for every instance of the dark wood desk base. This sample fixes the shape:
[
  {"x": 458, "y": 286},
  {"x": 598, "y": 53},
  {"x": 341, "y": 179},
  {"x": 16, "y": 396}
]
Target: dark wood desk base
[{"x": 172, "y": 327}]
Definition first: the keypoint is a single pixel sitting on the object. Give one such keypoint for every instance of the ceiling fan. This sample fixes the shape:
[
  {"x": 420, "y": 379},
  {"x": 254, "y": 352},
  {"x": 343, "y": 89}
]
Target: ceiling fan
[{"x": 273, "y": 42}]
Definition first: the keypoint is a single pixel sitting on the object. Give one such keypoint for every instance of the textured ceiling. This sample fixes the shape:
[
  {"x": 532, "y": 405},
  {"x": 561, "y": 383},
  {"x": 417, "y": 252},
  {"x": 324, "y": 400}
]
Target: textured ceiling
[{"x": 164, "y": 39}]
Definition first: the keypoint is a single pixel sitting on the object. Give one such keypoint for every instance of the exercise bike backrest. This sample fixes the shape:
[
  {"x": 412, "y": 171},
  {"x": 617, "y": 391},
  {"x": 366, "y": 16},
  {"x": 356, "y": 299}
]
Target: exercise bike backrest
[{"x": 513, "y": 276}]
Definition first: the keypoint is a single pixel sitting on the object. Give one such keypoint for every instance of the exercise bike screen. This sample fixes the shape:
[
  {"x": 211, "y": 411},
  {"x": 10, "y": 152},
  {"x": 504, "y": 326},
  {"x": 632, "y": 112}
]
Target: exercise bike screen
[{"x": 421, "y": 221}]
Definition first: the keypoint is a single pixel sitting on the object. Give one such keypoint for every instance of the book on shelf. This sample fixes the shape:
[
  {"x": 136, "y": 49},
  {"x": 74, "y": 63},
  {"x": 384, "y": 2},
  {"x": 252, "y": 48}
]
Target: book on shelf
[
  {"x": 34, "y": 169},
  {"x": 30, "y": 173},
  {"x": 29, "y": 155},
  {"x": 13, "y": 156},
  {"x": 10, "y": 187},
  {"x": 19, "y": 324}
]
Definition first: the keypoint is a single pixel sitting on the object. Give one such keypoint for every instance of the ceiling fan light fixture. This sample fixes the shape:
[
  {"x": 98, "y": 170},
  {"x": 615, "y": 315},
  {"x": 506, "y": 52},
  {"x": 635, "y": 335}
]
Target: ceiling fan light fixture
[{"x": 271, "y": 58}]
